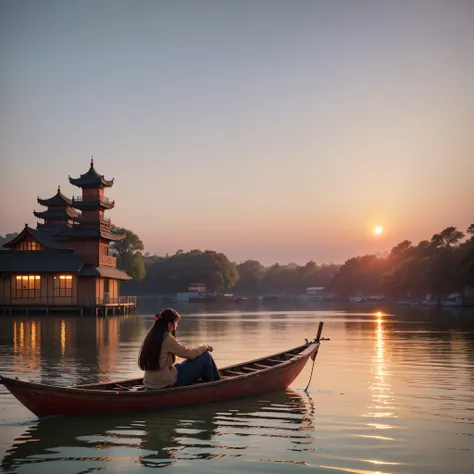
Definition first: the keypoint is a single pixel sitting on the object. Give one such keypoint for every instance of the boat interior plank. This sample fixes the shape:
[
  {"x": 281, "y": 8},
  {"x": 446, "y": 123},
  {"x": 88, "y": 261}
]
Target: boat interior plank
[
  {"x": 235, "y": 372},
  {"x": 261, "y": 366}
]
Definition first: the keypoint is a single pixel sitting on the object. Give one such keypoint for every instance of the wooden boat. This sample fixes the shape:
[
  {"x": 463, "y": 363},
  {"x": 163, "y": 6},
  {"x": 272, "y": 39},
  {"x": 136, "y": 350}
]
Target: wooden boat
[{"x": 249, "y": 378}]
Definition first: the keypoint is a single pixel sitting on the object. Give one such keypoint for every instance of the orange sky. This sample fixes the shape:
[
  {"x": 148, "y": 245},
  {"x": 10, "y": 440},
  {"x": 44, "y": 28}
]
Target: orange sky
[{"x": 270, "y": 131}]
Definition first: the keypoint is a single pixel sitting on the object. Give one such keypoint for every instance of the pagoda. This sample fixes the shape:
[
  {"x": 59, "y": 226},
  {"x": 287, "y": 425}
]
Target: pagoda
[
  {"x": 58, "y": 215},
  {"x": 93, "y": 232},
  {"x": 66, "y": 262}
]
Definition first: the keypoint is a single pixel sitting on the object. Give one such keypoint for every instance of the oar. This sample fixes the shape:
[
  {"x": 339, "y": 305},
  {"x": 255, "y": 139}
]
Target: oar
[{"x": 313, "y": 356}]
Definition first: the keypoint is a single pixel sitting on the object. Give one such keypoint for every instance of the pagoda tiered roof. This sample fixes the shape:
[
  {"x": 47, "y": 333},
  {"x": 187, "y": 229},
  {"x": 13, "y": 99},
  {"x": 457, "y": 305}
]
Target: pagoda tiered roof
[
  {"x": 79, "y": 232},
  {"x": 58, "y": 214},
  {"x": 91, "y": 179},
  {"x": 58, "y": 200}
]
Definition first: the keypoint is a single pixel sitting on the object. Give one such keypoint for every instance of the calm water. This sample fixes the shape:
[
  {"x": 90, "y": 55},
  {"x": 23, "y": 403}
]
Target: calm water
[{"x": 391, "y": 393}]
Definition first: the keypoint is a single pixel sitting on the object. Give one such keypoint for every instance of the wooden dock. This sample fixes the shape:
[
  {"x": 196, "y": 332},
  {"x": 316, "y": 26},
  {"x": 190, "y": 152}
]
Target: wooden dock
[{"x": 97, "y": 307}]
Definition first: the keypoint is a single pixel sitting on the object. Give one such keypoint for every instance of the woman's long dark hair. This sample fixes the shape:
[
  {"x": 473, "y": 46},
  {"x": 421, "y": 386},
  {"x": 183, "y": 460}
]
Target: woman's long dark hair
[{"x": 149, "y": 358}]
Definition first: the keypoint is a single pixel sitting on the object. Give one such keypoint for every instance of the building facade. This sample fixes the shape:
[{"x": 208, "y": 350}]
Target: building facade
[{"x": 66, "y": 262}]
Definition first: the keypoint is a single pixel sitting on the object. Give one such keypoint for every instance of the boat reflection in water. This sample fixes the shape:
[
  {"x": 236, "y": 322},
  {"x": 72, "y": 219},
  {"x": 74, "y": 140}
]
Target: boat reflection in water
[{"x": 260, "y": 426}]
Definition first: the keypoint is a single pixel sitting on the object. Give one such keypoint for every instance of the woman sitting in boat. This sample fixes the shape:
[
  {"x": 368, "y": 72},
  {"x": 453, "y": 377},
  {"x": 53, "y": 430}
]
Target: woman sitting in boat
[{"x": 158, "y": 355}]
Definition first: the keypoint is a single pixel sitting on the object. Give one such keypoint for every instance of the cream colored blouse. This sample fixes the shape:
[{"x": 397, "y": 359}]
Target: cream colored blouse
[{"x": 167, "y": 374}]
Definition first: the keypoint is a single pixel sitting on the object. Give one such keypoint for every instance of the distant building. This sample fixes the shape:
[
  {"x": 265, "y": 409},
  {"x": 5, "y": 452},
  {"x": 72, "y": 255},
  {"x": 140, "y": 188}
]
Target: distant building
[
  {"x": 195, "y": 290},
  {"x": 315, "y": 291},
  {"x": 200, "y": 287},
  {"x": 65, "y": 263}
]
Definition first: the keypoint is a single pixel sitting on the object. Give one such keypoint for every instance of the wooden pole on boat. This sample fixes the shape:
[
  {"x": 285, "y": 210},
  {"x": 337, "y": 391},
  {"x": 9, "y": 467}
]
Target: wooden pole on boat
[
  {"x": 320, "y": 330},
  {"x": 313, "y": 355}
]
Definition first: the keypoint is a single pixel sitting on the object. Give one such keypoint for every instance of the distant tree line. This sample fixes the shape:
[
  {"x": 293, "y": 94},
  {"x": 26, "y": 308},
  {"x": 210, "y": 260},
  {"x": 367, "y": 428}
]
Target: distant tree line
[
  {"x": 438, "y": 266},
  {"x": 170, "y": 274},
  {"x": 173, "y": 273}
]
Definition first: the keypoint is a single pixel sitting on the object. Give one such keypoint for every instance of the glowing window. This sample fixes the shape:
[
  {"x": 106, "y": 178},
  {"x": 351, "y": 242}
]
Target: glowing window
[
  {"x": 29, "y": 245},
  {"x": 63, "y": 285},
  {"x": 26, "y": 286}
]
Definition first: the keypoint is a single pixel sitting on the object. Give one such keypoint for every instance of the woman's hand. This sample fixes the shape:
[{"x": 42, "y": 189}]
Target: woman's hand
[{"x": 210, "y": 348}]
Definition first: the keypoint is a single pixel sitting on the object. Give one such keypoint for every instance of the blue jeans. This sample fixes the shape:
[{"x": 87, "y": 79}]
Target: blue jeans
[{"x": 191, "y": 370}]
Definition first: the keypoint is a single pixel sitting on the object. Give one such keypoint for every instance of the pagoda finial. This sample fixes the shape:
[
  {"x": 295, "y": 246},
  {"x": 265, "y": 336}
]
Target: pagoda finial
[
  {"x": 92, "y": 161},
  {"x": 59, "y": 189}
]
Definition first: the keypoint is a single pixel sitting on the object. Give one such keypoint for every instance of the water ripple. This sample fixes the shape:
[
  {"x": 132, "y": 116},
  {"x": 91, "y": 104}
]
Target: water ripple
[
  {"x": 392, "y": 392},
  {"x": 208, "y": 433}
]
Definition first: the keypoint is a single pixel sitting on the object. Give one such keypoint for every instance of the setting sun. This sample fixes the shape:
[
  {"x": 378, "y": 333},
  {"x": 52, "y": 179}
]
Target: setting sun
[{"x": 378, "y": 230}]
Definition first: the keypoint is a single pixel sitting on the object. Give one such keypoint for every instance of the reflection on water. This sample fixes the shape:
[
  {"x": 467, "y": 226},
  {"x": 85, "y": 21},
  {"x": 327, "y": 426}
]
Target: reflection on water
[
  {"x": 382, "y": 396},
  {"x": 63, "y": 349},
  {"x": 255, "y": 428},
  {"x": 390, "y": 393}
]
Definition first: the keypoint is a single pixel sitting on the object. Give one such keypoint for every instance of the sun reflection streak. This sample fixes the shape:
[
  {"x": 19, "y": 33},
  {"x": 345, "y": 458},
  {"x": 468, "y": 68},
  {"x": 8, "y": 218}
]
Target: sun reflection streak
[
  {"x": 380, "y": 388},
  {"x": 385, "y": 438},
  {"x": 353, "y": 471}
]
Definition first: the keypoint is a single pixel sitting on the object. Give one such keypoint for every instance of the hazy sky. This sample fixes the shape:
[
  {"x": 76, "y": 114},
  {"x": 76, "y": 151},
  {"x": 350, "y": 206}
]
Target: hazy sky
[{"x": 280, "y": 131}]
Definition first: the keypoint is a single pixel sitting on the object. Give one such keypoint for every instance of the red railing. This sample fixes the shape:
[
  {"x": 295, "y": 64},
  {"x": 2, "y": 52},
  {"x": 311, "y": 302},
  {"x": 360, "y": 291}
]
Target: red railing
[
  {"x": 103, "y": 199},
  {"x": 120, "y": 300},
  {"x": 128, "y": 300}
]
